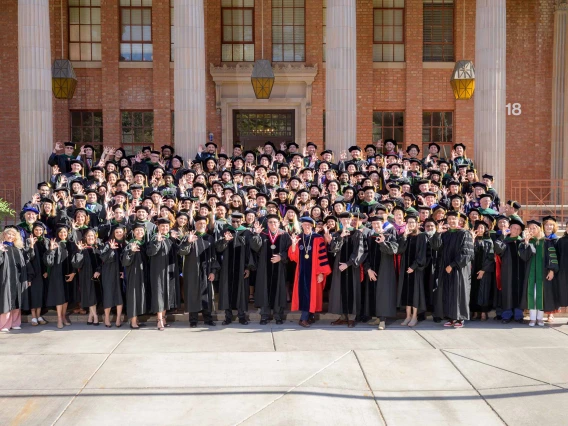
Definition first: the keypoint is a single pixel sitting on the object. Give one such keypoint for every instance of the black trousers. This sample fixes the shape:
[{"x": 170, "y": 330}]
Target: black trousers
[
  {"x": 265, "y": 313},
  {"x": 206, "y": 316},
  {"x": 229, "y": 314}
]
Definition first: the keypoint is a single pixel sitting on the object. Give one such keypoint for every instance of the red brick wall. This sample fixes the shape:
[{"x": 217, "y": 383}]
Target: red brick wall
[{"x": 411, "y": 89}]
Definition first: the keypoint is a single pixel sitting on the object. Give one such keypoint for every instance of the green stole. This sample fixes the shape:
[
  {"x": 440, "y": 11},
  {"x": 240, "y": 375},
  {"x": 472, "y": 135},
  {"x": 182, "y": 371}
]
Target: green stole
[{"x": 536, "y": 277}]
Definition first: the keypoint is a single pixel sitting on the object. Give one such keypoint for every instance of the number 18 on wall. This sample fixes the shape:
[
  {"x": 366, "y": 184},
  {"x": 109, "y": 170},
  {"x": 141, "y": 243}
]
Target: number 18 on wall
[{"x": 513, "y": 109}]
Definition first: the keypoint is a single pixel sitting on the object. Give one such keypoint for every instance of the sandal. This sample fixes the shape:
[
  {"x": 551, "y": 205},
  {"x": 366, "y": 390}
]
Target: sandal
[
  {"x": 34, "y": 322},
  {"x": 405, "y": 322},
  {"x": 160, "y": 324},
  {"x": 550, "y": 318}
]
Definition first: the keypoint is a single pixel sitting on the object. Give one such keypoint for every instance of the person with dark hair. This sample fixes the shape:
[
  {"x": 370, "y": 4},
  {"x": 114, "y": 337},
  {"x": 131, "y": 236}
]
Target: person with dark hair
[
  {"x": 88, "y": 264},
  {"x": 483, "y": 269},
  {"x": 136, "y": 274}
]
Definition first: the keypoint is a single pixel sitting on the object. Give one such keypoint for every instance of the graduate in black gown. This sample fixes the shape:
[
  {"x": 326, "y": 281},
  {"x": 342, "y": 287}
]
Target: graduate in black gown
[
  {"x": 112, "y": 274},
  {"x": 61, "y": 275},
  {"x": 136, "y": 274},
  {"x": 483, "y": 267},
  {"x": 345, "y": 292},
  {"x": 412, "y": 245},
  {"x": 456, "y": 246},
  {"x": 164, "y": 271},
  {"x": 270, "y": 289},
  {"x": 37, "y": 274},
  {"x": 88, "y": 264},
  {"x": 236, "y": 264},
  {"x": 562, "y": 276},
  {"x": 200, "y": 267},
  {"x": 512, "y": 272},
  {"x": 378, "y": 266},
  {"x": 13, "y": 279},
  {"x": 431, "y": 271}
]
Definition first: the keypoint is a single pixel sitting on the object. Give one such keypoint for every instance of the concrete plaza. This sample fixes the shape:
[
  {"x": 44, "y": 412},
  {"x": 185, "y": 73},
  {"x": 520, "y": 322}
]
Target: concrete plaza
[{"x": 485, "y": 374}]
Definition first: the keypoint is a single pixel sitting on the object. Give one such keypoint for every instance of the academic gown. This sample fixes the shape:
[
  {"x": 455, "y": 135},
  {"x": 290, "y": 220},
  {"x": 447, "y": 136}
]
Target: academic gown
[
  {"x": 307, "y": 293},
  {"x": 36, "y": 269},
  {"x": 456, "y": 249},
  {"x": 136, "y": 274},
  {"x": 13, "y": 279},
  {"x": 512, "y": 271},
  {"x": 380, "y": 296},
  {"x": 62, "y": 161},
  {"x": 200, "y": 260},
  {"x": 59, "y": 265},
  {"x": 411, "y": 286},
  {"x": 481, "y": 297},
  {"x": 431, "y": 273},
  {"x": 542, "y": 259},
  {"x": 236, "y": 257},
  {"x": 345, "y": 291},
  {"x": 110, "y": 275},
  {"x": 562, "y": 276},
  {"x": 164, "y": 273},
  {"x": 270, "y": 287},
  {"x": 87, "y": 262}
]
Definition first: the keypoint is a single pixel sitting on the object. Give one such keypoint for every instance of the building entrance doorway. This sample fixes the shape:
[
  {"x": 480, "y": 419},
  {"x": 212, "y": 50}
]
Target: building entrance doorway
[{"x": 253, "y": 128}]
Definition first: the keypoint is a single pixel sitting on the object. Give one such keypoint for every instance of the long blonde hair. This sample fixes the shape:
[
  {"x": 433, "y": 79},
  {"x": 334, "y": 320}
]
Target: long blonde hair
[{"x": 18, "y": 243}]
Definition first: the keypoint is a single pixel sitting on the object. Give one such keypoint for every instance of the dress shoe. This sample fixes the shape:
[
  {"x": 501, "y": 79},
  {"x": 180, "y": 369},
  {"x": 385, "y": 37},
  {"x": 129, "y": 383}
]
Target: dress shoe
[
  {"x": 279, "y": 322},
  {"x": 350, "y": 324},
  {"x": 304, "y": 324},
  {"x": 243, "y": 322},
  {"x": 339, "y": 321},
  {"x": 382, "y": 325},
  {"x": 506, "y": 321},
  {"x": 227, "y": 322},
  {"x": 437, "y": 320},
  {"x": 497, "y": 318},
  {"x": 192, "y": 324},
  {"x": 263, "y": 322},
  {"x": 210, "y": 323}
]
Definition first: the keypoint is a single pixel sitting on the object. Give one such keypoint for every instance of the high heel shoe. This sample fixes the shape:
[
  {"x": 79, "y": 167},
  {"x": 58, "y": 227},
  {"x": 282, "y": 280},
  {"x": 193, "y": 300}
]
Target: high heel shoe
[{"x": 160, "y": 324}]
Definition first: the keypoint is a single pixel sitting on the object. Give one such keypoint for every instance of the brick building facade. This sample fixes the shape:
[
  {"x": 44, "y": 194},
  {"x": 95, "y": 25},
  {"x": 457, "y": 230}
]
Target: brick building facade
[{"x": 415, "y": 86}]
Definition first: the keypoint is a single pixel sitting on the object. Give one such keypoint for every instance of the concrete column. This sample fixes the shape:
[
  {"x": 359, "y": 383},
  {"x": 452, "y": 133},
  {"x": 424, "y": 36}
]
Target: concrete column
[
  {"x": 490, "y": 90},
  {"x": 189, "y": 76},
  {"x": 34, "y": 79},
  {"x": 560, "y": 93},
  {"x": 341, "y": 76}
]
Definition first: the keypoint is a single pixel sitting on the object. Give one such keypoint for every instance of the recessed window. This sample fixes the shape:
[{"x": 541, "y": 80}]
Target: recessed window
[
  {"x": 388, "y": 30},
  {"x": 237, "y": 23},
  {"x": 437, "y": 126},
  {"x": 85, "y": 30},
  {"x": 87, "y": 127},
  {"x": 388, "y": 125},
  {"x": 136, "y": 30},
  {"x": 288, "y": 30},
  {"x": 137, "y": 130},
  {"x": 438, "y": 31}
]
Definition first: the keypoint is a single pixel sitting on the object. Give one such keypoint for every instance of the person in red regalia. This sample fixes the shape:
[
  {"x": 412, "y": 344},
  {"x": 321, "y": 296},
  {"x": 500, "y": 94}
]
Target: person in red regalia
[{"x": 309, "y": 252}]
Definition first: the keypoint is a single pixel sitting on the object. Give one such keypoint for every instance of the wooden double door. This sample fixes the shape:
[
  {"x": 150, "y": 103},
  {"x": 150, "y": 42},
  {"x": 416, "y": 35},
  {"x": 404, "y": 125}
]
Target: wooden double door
[{"x": 253, "y": 128}]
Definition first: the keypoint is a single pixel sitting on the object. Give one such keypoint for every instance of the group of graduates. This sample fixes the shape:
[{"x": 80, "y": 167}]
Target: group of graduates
[{"x": 379, "y": 230}]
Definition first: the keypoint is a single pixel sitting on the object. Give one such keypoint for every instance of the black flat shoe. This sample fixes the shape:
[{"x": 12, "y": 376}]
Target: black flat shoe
[
  {"x": 108, "y": 326},
  {"x": 498, "y": 318},
  {"x": 437, "y": 320},
  {"x": 118, "y": 325},
  {"x": 262, "y": 322},
  {"x": 96, "y": 324},
  {"x": 227, "y": 322},
  {"x": 90, "y": 322},
  {"x": 279, "y": 322},
  {"x": 243, "y": 322},
  {"x": 134, "y": 328},
  {"x": 192, "y": 324},
  {"x": 520, "y": 321},
  {"x": 210, "y": 323},
  {"x": 506, "y": 321}
]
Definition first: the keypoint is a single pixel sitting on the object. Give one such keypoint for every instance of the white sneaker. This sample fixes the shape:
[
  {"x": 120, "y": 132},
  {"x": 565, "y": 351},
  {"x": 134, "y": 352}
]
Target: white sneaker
[
  {"x": 532, "y": 324},
  {"x": 16, "y": 328},
  {"x": 5, "y": 330}
]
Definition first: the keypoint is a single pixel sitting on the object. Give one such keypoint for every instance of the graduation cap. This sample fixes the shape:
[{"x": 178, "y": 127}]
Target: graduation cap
[
  {"x": 311, "y": 144},
  {"x": 345, "y": 215},
  {"x": 79, "y": 197},
  {"x": 431, "y": 220},
  {"x": 435, "y": 172},
  {"x": 124, "y": 194},
  {"x": 480, "y": 222},
  {"x": 370, "y": 146},
  {"x": 137, "y": 225},
  {"x": 199, "y": 185},
  {"x": 307, "y": 219},
  {"x": 71, "y": 144},
  {"x": 223, "y": 156},
  {"x": 146, "y": 209},
  {"x": 79, "y": 210},
  {"x": 171, "y": 148},
  {"x": 281, "y": 165},
  {"x": 547, "y": 218},
  {"x": 459, "y": 144},
  {"x": 391, "y": 165},
  {"x": 517, "y": 222},
  {"x": 223, "y": 205},
  {"x": 453, "y": 213},
  {"x": 534, "y": 222},
  {"x": 293, "y": 208},
  {"x": 434, "y": 144},
  {"x": 486, "y": 195},
  {"x": 486, "y": 176},
  {"x": 391, "y": 141},
  {"x": 39, "y": 185},
  {"x": 409, "y": 195},
  {"x": 238, "y": 145},
  {"x": 163, "y": 221},
  {"x": 514, "y": 204},
  {"x": 458, "y": 196},
  {"x": 354, "y": 148},
  {"x": 412, "y": 146},
  {"x": 211, "y": 143},
  {"x": 270, "y": 144},
  {"x": 289, "y": 144},
  {"x": 368, "y": 188},
  {"x": 198, "y": 218},
  {"x": 416, "y": 161},
  {"x": 75, "y": 161},
  {"x": 327, "y": 151},
  {"x": 237, "y": 215},
  {"x": 397, "y": 207},
  {"x": 272, "y": 216}
]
